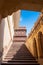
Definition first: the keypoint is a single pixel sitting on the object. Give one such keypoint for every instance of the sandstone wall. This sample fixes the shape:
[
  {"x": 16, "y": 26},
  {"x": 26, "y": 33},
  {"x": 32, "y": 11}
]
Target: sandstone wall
[{"x": 35, "y": 39}]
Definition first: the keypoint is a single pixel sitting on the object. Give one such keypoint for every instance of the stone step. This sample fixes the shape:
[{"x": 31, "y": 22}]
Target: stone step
[
  {"x": 19, "y": 35},
  {"x": 24, "y": 56},
  {"x": 20, "y": 60},
  {"x": 14, "y": 50},
  {"x": 19, "y": 38},
  {"x": 32, "y": 61},
  {"x": 29, "y": 62},
  {"x": 20, "y": 29},
  {"x": 19, "y": 63},
  {"x": 9, "y": 55},
  {"x": 18, "y": 43},
  {"x": 15, "y": 47},
  {"x": 8, "y": 59},
  {"x": 35, "y": 61}
]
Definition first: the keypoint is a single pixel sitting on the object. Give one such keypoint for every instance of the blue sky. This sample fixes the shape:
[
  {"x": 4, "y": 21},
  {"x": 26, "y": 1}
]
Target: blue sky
[{"x": 28, "y": 18}]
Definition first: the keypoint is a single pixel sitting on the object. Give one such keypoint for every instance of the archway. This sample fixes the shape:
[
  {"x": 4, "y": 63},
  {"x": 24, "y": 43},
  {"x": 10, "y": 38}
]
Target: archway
[
  {"x": 35, "y": 48},
  {"x": 40, "y": 47}
]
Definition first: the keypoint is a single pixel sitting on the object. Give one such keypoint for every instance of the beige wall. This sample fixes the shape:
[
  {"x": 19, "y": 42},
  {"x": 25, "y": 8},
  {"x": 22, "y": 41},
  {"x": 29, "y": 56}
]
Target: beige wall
[
  {"x": 7, "y": 27},
  {"x": 6, "y": 35},
  {"x": 16, "y": 18},
  {"x": 1, "y": 36},
  {"x": 11, "y": 25}
]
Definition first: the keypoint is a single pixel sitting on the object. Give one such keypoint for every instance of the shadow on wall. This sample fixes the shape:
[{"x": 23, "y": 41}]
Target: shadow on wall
[{"x": 2, "y": 25}]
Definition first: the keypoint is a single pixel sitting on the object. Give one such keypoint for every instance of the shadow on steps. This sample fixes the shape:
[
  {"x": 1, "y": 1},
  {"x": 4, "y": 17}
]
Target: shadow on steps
[{"x": 23, "y": 56}]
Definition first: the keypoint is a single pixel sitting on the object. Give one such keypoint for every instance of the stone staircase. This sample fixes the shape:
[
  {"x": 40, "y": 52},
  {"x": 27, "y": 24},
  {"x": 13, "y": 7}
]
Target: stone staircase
[{"x": 18, "y": 53}]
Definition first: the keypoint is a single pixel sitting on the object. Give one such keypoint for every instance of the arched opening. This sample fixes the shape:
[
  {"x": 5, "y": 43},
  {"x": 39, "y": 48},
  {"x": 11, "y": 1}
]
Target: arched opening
[
  {"x": 40, "y": 44},
  {"x": 35, "y": 48}
]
